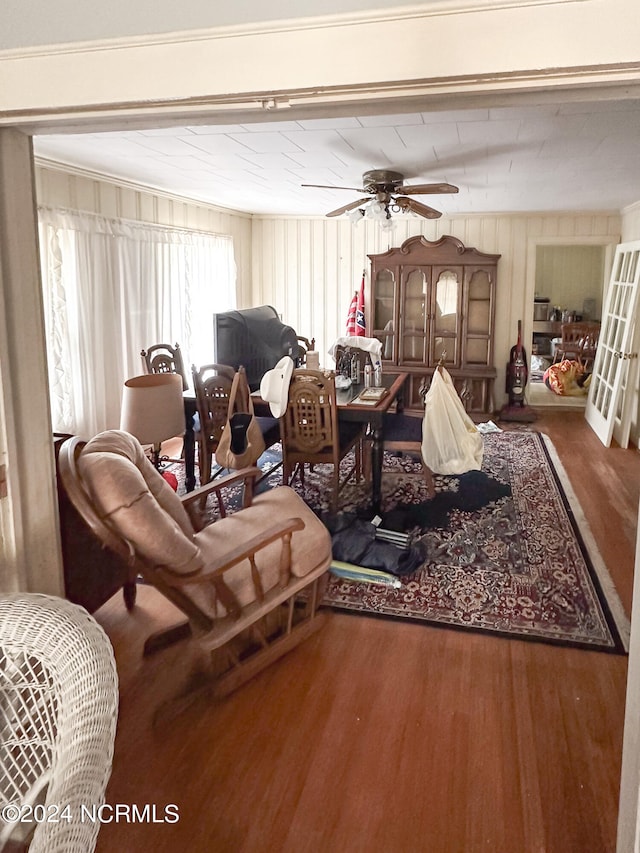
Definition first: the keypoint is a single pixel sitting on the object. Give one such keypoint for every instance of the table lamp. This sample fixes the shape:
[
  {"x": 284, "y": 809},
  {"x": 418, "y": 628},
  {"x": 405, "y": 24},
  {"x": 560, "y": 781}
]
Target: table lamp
[{"x": 153, "y": 409}]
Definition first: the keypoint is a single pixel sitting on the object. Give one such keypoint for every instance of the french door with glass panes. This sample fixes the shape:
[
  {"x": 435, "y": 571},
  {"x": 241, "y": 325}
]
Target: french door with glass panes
[{"x": 608, "y": 409}]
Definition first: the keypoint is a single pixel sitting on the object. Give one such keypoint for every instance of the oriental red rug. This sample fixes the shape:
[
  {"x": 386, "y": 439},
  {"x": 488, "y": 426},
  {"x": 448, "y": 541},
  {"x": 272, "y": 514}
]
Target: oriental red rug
[{"x": 507, "y": 550}]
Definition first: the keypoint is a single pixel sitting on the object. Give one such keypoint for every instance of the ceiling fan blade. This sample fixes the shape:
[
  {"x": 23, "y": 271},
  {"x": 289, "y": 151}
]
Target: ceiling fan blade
[
  {"x": 327, "y": 187},
  {"x": 424, "y": 189},
  {"x": 417, "y": 207},
  {"x": 351, "y": 206}
]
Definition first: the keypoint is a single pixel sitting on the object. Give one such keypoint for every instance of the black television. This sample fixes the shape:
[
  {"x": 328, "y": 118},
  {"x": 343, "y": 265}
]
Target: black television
[{"x": 255, "y": 338}]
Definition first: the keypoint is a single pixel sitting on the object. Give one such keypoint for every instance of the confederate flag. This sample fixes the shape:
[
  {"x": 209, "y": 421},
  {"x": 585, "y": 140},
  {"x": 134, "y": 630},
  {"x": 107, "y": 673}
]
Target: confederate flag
[{"x": 355, "y": 318}]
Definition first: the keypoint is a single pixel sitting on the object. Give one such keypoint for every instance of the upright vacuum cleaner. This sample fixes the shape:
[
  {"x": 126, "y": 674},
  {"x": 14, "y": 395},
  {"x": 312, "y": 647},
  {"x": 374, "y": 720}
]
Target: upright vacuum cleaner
[
  {"x": 517, "y": 372},
  {"x": 516, "y": 382}
]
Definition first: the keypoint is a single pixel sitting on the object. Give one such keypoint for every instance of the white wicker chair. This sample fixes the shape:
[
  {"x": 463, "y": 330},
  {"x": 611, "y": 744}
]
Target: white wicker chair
[{"x": 58, "y": 711}]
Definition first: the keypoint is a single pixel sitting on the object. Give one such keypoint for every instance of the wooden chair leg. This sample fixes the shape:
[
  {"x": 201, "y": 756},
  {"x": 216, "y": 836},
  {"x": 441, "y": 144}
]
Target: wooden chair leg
[
  {"x": 204, "y": 464},
  {"x": 366, "y": 460},
  {"x": 428, "y": 476},
  {"x": 358, "y": 454}
]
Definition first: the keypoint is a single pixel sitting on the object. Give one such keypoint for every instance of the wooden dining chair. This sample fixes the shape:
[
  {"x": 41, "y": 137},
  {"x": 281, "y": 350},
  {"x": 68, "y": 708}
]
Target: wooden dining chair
[
  {"x": 212, "y": 384},
  {"x": 312, "y": 433},
  {"x": 164, "y": 358},
  {"x": 305, "y": 345},
  {"x": 344, "y": 355},
  {"x": 402, "y": 433},
  {"x": 579, "y": 343}
]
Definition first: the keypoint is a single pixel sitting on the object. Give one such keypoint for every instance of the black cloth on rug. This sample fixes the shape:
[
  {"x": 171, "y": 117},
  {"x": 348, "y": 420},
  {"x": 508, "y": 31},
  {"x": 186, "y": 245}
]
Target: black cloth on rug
[
  {"x": 354, "y": 541},
  {"x": 475, "y": 490}
]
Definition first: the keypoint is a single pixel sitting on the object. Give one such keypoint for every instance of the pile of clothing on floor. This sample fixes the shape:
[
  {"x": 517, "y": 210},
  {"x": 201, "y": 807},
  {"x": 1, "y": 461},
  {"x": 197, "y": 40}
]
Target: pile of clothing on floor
[{"x": 567, "y": 378}]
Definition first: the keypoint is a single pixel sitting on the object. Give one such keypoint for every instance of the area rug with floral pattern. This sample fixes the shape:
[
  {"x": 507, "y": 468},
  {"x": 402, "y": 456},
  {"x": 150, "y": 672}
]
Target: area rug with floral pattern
[{"x": 506, "y": 550}]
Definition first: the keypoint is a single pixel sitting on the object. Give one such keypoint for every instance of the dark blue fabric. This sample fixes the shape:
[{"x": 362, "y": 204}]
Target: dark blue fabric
[
  {"x": 398, "y": 427},
  {"x": 354, "y": 541},
  {"x": 347, "y": 433},
  {"x": 270, "y": 429}
]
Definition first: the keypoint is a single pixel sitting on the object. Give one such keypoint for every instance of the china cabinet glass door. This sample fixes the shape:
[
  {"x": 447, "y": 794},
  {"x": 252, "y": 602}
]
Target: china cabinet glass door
[
  {"x": 478, "y": 321},
  {"x": 383, "y": 312},
  {"x": 445, "y": 316},
  {"x": 414, "y": 317}
]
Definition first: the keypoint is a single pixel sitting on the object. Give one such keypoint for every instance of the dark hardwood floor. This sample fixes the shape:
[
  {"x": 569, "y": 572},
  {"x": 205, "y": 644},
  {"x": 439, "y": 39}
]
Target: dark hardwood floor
[{"x": 381, "y": 737}]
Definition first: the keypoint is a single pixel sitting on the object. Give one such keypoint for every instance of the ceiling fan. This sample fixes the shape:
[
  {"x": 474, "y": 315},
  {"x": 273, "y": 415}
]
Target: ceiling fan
[{"x": 390, "y": 192}]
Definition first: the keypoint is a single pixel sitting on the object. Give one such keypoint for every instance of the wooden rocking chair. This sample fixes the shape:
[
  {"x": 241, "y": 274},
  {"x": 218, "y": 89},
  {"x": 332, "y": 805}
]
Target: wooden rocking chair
[{"x": 239, "y": 580}]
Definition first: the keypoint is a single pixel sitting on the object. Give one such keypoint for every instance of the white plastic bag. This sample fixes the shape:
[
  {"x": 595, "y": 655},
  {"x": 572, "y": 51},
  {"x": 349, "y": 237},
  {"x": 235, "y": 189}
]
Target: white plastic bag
[{"x": 451, "y": 443}]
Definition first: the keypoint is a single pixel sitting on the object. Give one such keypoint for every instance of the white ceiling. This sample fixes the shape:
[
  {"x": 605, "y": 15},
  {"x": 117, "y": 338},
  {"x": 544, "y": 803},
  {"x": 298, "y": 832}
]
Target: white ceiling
[{"x": 576, "y": 156}]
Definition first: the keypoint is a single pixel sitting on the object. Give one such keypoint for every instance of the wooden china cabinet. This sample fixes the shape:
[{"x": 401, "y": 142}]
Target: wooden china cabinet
[{"x": 429, "y": 298}]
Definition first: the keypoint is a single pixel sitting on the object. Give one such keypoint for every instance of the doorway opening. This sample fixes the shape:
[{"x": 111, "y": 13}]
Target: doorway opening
[{"x": 568, "y": 283}]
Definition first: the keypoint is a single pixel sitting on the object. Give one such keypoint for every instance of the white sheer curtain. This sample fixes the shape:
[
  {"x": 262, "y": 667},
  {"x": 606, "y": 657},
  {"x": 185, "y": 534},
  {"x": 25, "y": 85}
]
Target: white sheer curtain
[{"x": 113, "y": 288}]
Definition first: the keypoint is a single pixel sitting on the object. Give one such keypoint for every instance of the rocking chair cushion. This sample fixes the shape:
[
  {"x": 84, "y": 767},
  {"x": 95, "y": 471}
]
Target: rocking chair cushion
[
  {"x": 308, "y": 547},
  {"x": 136, "y": 500}
]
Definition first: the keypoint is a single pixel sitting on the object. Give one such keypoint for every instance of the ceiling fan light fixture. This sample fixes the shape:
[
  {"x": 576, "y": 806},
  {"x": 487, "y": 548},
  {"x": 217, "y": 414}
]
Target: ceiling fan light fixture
[
  {"x": 356, "y": 215},
  {"x": 389, "y": 196},
  {"x": 376, "y": 210}
]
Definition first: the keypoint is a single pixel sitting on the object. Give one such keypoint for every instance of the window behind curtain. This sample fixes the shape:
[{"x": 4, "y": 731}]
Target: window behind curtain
[{"x": 113, "y": 288}]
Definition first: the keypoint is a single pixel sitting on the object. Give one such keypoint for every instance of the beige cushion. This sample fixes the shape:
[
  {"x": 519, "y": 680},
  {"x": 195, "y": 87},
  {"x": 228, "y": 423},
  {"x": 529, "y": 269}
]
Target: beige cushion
[
  {"x": 310, "y": 547},
  {"x": 136, "y": 500}
]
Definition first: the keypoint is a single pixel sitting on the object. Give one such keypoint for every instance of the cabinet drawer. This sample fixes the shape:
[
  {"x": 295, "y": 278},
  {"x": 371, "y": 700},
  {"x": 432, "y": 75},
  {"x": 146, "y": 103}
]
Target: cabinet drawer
[{"x": 476, "y": 393}]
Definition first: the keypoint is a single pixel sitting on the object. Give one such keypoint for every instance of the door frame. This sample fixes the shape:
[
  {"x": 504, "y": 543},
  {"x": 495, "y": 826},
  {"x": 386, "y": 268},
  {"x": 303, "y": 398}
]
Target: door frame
[
  {"x": 629, "y": 802},
  {"x": 608, "y": 243}
]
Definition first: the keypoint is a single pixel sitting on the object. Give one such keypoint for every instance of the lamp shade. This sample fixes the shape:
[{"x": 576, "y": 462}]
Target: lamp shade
[{"x": 152, "y": 407}]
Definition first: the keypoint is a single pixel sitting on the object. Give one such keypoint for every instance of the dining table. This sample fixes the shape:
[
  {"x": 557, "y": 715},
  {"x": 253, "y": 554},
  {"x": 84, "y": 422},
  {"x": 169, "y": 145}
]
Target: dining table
[{"x": 352, "y": 406}]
